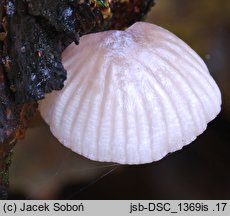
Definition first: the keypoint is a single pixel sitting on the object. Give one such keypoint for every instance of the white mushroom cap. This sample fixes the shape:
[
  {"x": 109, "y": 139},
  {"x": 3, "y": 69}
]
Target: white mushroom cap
[{"x": 131, "y": 96}]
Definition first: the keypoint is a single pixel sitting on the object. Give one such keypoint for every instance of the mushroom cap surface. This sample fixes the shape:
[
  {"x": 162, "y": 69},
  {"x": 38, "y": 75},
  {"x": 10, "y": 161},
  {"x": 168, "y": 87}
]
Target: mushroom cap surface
[{"x": 131, "y": 96}]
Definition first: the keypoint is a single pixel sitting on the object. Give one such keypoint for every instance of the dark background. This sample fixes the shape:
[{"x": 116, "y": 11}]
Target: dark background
[{"x": 44, "y": 169}]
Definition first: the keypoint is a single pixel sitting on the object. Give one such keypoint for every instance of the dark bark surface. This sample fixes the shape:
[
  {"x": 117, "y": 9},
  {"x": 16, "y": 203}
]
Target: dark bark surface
[
  {"x": 38, "y": 30},
  {"x": 127, "y": 12},
  {"x": 33, "y": 34}
]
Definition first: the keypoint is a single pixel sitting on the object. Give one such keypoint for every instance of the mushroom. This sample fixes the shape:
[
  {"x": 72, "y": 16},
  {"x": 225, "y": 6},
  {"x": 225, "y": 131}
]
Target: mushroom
[{"x": 131, "y": 96}]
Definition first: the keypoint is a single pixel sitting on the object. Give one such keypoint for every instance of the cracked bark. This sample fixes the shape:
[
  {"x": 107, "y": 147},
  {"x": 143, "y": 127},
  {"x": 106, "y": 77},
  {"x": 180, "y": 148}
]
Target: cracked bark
[{"x": 33, "y": 34}]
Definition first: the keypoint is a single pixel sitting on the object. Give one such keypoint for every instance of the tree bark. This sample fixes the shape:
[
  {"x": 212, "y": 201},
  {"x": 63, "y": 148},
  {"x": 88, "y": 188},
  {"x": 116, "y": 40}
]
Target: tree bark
[{"x": 33, "y": 34}]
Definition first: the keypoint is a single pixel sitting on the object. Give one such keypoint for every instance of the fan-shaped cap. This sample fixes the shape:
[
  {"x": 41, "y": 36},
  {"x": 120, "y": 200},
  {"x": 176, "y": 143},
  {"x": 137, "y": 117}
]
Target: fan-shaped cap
[{"x": 131, "y": 96}]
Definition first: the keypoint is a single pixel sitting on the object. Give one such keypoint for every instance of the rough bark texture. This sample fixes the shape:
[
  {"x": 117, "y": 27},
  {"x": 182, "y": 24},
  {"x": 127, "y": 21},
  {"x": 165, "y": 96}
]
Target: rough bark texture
[
  {"x": 127, "y": 12},
  {"x": 38, "y": 30},
  {"x": 13, "y": 123},
  {"x": 33, "y": 34}
]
